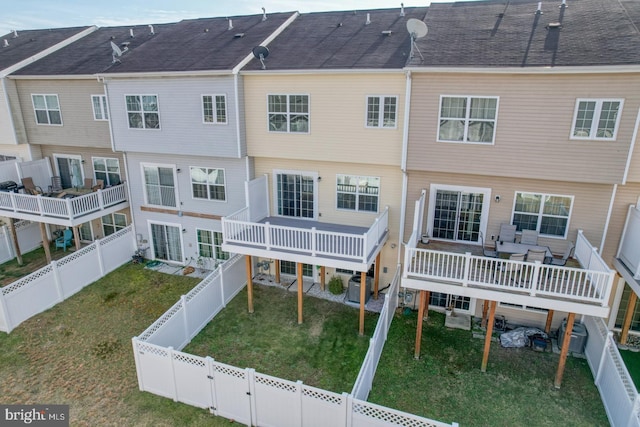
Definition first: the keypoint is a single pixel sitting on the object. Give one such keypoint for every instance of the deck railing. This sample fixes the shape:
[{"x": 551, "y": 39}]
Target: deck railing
[
  {"x": 238, "y": 229},
  {"x": 534, "y": 279},
  {"x": 63, "y": 208}
]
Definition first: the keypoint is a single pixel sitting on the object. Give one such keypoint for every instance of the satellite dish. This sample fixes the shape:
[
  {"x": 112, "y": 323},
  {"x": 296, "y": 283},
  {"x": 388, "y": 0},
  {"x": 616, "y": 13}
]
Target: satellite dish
[
  {"x": 417, "y": 29},
  {"x": 261, "y": 52},
  {"x": 117, "y": 52}
]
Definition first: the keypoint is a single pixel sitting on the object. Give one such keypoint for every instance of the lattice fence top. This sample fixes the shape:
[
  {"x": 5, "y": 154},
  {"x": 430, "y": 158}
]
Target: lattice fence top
[
  {"x": 203, "y": 284},
  {"x": 152, "y": 349},
  {"x": 393, "y": 417},
  {"x": 76, "y": 255},
  {"x": 325, "y": 396},
  {"x": 189, "y": 359},
  {"x": 277, "y": 383},
  {"x": 110, "y": 238},
  {"x": 148, "y": 333},
  {"x": 229, "y": 370},
  {"x": 36, "y": 275}
]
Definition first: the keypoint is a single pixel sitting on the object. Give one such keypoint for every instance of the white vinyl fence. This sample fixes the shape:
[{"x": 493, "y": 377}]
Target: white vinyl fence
[
  {"x": 57, "y": 281},
  {"x": 28, "y": 239},
  {"x": 244, "y": 395},
  {"x": 617, "y": 390}
]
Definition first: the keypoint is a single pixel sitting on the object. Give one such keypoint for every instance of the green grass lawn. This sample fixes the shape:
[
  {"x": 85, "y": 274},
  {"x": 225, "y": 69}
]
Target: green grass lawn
[
  {"x": 446, "y": 383},
  {"x": 632, "y": 362}
]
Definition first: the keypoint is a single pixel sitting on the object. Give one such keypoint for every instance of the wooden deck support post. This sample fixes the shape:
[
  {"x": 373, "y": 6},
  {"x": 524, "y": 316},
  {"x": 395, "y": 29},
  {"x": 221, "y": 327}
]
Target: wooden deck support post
[
  {"x": 14, "y": 237},
  {"x": 363, "y": 293},
  {"x": 487, "y": 338},
  {"x": 45, "y": 242},
  {"x": 323, "y": 272},
  {"x": 376, "y": 276},
  {"x": 76, "y": 236},
  {"x": 300, "y": 291},
  {"x": 566, "y": 341},
  {"x": 249, "y": 282},
  {"x": 547, "y": 326},
  {"x": 423, "y": 299},
  {"x": 485, "y": 313},
  {"x": 628, "y": 316},
  {"x": 427, "y": 298},
  {"x": 277, "y": 267}
]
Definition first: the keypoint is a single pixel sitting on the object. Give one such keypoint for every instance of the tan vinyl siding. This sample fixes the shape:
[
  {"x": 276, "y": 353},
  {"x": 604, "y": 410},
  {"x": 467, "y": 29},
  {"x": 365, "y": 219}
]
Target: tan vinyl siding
[
  {"x": 86, "y": 154},
  {"x": 337, "y": 111},
  {"x": 16, "y": 119},
  {"x": 79, "y": 129},
  {"x": 534, "y": 122},
  {"x": 590, "y": 204}
]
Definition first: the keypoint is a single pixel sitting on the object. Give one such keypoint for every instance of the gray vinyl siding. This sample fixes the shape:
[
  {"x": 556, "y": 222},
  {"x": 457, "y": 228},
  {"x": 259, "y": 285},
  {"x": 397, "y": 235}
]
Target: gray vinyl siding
[
  {"x": 79, "y": 129},
  {"x": 590, "y": 203},
  {"x": 182, "y": 130},
  {"x": 534, "y": 122}
]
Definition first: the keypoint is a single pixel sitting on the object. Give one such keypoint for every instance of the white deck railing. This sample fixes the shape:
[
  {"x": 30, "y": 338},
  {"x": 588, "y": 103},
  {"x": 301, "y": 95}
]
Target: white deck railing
[
  {"x": 63, "y": 208},
  {"x": 238, "y": 229}
]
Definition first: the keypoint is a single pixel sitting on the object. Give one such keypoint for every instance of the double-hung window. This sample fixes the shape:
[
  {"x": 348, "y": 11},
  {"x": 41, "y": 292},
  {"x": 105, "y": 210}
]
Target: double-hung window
[
  {"x": 159, "y": 184},
  {"x": 100, "y": 111},
  {"x": 547, "y": 213},
  {"x": 596, "y": 118},
  {"x": 113, "y": 222},
  {"x": 467, "y": 119},
  {"x": 214, "y": 109},
  {"x": 142, "y": 111},
  {"x": 107, "y": 169},
  {"x": 210, "y": 245},
  {"x": 208, "y": 183},
  {"x": 47, "y": 109},
  {"x": 358, "y": 193},
  {"x": 381, "y": 111},
  {"x": 288, "y": 113}
]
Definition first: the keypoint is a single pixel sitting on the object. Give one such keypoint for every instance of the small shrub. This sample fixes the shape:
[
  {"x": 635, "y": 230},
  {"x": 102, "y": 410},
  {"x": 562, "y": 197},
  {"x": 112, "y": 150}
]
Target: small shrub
[{"x": 335, "y": 285}]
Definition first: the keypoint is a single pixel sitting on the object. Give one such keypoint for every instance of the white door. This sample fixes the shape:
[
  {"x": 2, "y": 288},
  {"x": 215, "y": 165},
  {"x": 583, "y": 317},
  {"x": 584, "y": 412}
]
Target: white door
[
  {"x": 70, "y": 170},
  {"x": 166, "y": 242},
  {"x": 458, "y": 213},
  {"x": 296, "y": 194}
]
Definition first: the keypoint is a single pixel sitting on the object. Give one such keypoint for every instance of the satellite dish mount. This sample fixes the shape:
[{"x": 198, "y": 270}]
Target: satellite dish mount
[
  {"x": 261, "y": 53},
  {"x": 117, "y": 52},
  {"x": 417, "y": 29}
]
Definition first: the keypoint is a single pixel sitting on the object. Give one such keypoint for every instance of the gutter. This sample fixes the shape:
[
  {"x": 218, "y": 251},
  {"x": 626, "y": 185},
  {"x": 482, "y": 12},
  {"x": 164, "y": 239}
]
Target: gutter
[{"x": 595, "y": 69}]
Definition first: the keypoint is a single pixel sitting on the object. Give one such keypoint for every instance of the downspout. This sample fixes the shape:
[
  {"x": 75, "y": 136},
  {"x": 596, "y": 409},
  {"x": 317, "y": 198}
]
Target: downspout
[
  {"x": 403, "y": 164},
  {"x": 237, "y": 102},
  {"x": 9, "y": 110},
  {"x": 631, "y": 147},
  {"x": 608, "y": 220}
]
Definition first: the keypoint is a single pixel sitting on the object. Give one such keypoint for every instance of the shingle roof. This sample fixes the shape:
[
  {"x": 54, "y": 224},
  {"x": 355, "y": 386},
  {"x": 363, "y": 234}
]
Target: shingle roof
[
  {"x": 343, "y": 40},
  {"x": 511, "y": 34},
  {"x": 32, "y": 42}
]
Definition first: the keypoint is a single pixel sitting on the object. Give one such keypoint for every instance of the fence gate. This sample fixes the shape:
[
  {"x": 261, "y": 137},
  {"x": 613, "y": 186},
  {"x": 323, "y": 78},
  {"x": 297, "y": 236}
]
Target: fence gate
[{"x": 231, "y": 394}]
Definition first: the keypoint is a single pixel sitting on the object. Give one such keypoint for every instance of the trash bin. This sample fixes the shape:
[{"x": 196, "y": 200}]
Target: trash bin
[
  {"x": 353, "y": 293},
  {"x": 579, "y": 337}
]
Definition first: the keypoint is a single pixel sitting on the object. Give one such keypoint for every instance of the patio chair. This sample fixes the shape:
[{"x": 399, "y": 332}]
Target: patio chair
[
  {"x": 64, "y": 240},
  {"x": 567, "y": 254},
  {"x": 30, "y": 187},
  {"x": 515, "y": 270},
  {"x": 487, "y": 252},
  {"x": 99, "y": 185},
  {"x": 56, "y": 184},
  {"x": 534, "y": 255},
  {"x": 507, "y": 233},
  {"x": 529, "y": 237}
]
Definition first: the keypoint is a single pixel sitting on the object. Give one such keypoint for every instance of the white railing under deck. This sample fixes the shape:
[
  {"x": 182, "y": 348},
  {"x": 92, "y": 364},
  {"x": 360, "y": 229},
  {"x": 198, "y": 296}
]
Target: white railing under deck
[
  {"x": 62, "y": 208},
  {"x": 592, "y": 286},
  {"x": 238, "y": 229}
]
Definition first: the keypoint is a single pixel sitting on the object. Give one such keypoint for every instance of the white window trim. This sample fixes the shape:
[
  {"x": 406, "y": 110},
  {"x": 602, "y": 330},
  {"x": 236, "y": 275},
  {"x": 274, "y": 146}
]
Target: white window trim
[
  {"x": 596, "y": 119},
  {"x": 380, "y": 112},
  {"x": 226, "y": 198},
  {"x": 168, "y": 224},
  {"x": 35, "y": 116},
  {"x": 540, "y": 214},
  {"x": 213, "y": 245},
  {"x": 57, "y": 156},
  {"x": 357, "y": 193},
  {"x": 90, "y": 232},
  {"x": 466, "y": 119},
  {"x": 215, "y": 115},
  {"x": 175, "y": 184},
  {"x": 274, "y": 180},
  {"x": 107, "y": 171},
  {"x": 288, "y": 114},
  {"x": 113, "y": 216},
  {"x": 103, "y": 106},
  {"x": 126, "y": 111}
]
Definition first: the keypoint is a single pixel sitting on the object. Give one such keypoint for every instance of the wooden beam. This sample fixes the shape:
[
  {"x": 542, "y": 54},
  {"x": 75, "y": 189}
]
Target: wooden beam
[
  {"x": 277, "y": 266},
  {"x": 376, "y": 276},
  {"x": 45, "y": 242},
  {"x": 547, "y": 326},
  {"x": 363, "y": 294},
  {"x": 485, "y": 313},
  {"x": 628, "y": 316},
  {"x": 427, "y": 298},
  {"x": 423, "y": 299},
  {"x": 300, "y": 291},
  {"x": 323, "y": 272},
  {"x": 76, "y": 236},
  {"x": 14, "y": 237},
  {"x": 184, "y": 213},
  {"x": 566, "y": 341},
  {"x": 487, "y": 338},
  {"x": 249, "y": 283}
]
